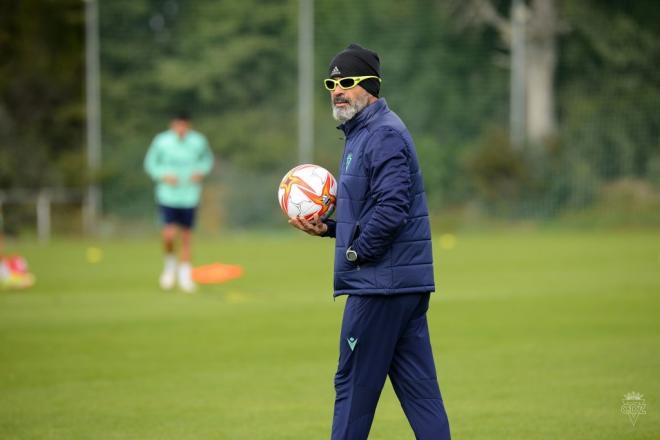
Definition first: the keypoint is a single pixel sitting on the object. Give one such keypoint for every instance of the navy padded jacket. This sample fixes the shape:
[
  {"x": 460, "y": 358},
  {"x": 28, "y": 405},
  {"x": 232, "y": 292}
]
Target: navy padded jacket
[{"x": 381, "y": 209}]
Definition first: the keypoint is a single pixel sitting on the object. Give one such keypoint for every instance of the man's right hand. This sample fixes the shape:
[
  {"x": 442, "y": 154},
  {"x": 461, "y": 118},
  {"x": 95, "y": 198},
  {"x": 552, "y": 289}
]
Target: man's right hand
[
  {"x": 313, "y": 227},
  {"x": 170, "y": 179}
]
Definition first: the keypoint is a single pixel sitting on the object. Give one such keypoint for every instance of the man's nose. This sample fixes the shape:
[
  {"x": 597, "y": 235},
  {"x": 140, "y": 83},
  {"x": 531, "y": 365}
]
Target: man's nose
[{"x": 336, "y": 92}]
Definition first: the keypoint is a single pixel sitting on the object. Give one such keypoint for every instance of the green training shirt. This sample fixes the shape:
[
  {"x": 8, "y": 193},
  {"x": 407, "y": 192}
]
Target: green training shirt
[{"x": 181, "y": 158}]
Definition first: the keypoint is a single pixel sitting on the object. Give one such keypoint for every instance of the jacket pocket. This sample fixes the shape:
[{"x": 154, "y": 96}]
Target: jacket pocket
[{"x": 355, "y": 234}]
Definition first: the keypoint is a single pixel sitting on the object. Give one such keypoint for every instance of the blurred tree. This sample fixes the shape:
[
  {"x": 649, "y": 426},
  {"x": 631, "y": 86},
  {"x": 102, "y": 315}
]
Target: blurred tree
[
  {"x": 41, "y": 96},
  {"x": 539, "y": 52},
  {"x": 610, "y": 88},
  {"x": 499, "y": 172},
  {"x": 606, "y": 88}
]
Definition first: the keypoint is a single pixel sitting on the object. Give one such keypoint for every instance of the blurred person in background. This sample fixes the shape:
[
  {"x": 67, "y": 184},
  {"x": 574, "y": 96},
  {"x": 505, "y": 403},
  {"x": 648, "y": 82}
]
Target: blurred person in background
[
  {"x": 178, "y": 160},
  {"x": 383, "y": 258}
]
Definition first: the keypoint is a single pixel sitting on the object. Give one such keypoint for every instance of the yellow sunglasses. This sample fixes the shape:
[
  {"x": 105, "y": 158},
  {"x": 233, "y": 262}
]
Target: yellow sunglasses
[{"x": 346, "y": 83}]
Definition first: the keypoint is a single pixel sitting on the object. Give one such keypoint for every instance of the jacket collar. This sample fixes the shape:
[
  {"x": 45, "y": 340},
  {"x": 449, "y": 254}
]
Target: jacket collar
[{"x": 363, "y": 117}]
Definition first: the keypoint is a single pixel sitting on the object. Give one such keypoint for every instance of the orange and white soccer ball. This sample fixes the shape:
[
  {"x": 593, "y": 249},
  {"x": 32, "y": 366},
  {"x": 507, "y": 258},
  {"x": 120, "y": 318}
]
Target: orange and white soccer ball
[{"x": 307, "y": 190}]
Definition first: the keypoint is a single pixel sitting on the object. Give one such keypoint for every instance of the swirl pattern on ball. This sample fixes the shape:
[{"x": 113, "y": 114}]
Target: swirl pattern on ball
[{"x": 307, "y": 190}]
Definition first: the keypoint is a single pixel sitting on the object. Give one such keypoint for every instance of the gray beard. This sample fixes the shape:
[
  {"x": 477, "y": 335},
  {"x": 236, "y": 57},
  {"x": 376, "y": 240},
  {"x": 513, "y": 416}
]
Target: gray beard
[{"x": 344, "y": 114}]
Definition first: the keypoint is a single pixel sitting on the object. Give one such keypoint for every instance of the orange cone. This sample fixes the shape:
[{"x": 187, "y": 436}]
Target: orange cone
[{"x": 216, "y": 273}]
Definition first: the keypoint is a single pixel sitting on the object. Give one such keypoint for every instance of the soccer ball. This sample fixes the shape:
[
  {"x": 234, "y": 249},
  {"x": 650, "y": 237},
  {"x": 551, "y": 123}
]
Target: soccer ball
[{"x": 307, "y": 190}]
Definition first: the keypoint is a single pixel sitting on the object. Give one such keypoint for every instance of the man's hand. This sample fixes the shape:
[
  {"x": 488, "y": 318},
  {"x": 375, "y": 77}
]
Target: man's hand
[
  {"x": 313, "y": 227},
  {"x": 170, "y": 179}
]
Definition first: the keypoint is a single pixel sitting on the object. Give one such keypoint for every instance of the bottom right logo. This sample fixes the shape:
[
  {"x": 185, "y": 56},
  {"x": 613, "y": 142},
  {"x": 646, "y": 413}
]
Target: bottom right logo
[{"x": 633, "y": 404}]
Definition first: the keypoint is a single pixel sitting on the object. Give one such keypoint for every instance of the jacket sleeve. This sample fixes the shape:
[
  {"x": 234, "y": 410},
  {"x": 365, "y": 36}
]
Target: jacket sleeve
[
  {"x": 332, "y": 228},
  {"x": 205, "y": 159},
  {"x": 389, "y": 180},
  {"x": 152, "y": 162}
]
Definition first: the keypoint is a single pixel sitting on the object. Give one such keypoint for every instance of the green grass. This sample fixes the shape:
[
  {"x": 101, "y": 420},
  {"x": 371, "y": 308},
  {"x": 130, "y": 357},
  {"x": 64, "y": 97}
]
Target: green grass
[{"x": 537, "y": 335}]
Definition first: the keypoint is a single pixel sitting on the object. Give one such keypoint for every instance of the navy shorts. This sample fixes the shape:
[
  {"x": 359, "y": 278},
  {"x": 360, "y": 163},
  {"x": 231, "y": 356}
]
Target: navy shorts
[{"x": 184, "y": 217}]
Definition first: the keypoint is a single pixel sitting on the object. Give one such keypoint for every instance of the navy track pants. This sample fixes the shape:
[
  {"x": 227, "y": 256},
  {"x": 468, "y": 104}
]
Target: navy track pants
[{"x": 381, "y": 336}]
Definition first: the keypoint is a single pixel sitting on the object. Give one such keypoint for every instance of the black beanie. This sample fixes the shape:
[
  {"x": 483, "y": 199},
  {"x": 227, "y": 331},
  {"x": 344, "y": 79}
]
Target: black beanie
[{"x": 356, "y": 60}]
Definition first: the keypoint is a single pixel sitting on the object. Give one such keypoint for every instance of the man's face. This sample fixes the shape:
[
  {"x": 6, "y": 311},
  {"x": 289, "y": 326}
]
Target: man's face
[
  {"x": 180, "y": 127},
  {"x": 346, "y": 103}
]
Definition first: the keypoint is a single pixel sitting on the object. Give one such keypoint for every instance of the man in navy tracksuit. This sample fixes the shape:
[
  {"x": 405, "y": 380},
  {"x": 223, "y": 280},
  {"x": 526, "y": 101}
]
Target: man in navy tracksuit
[{"x": 383, "y": 259}]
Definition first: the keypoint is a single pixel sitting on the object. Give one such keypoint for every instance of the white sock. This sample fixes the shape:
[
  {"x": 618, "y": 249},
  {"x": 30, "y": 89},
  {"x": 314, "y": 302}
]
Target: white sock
[
  {"x": 184, "y": 270},
  {"x": 170, "y": 263}
]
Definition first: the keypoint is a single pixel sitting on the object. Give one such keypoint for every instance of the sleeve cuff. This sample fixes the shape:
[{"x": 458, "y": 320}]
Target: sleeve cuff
[{"x": 332, "y": 228}]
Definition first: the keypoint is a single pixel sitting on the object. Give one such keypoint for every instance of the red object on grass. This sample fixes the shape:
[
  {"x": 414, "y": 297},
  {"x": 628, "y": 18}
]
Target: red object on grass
[{"x": 16, "y": 264}]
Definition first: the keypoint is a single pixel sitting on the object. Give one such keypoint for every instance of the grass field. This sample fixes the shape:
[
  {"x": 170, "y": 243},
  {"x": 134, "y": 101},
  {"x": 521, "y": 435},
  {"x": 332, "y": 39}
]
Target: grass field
[{"x": 537, "y": 335}]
